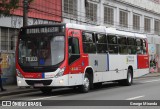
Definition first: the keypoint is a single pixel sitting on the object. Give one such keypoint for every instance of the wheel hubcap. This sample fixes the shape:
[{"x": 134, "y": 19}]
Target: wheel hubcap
[
  {"x": 86, "y": 83},
  {"x": 129, "y": 77}
]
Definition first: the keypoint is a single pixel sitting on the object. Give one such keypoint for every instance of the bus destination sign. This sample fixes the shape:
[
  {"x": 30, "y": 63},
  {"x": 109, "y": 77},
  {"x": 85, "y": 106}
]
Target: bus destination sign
[{"x": 45, "y": 30}]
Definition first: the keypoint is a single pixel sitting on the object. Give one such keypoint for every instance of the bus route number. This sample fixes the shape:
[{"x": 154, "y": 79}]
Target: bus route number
[{"x": 31, "y": 59}]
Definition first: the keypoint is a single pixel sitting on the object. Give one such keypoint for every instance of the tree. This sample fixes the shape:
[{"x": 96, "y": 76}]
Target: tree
[{"x": 8, "y": 6}]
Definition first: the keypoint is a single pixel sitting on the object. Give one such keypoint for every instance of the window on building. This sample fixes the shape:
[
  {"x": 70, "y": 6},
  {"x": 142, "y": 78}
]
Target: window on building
[
  {"x": 4, "y": 38},
  {"x": 12, "y": 38},
  {"x": 136, "y": 22},
  {"x": 89, "y": 43},
  {"x": 91, "y": 11},
  {"x": 157, "y": 27},
  {"x": 109, "y": 15},
  {"x": 70, "y": 7},
  {"x": 123, "y": 19},
  {"x": 8, "y": 38},
  {"x": 147, "y": 24}
]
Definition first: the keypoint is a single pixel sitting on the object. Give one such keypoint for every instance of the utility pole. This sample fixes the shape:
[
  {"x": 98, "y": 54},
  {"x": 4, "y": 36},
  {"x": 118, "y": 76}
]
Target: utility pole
[{"x": 25, "y": 13}]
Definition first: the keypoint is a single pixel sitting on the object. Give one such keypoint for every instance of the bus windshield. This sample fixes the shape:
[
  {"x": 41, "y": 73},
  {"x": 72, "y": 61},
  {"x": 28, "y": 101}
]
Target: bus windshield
[{"x": 41, "y": 50}]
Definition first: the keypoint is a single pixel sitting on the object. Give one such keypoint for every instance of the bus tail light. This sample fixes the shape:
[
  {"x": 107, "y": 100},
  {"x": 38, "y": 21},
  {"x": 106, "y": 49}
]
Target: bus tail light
[
  {"x": 19, "y": 73},
  {"x": 60, "y": 73}
]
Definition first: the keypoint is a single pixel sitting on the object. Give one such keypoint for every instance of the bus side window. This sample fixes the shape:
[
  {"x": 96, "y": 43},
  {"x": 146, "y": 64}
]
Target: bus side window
[
  {"x": 112, "y": 44},
  {"x": 101, "y": 43},
  {"x": 88, "y": 43},
  {"x": 122, "y": 45},
  {"x": 144, "y": 47},
  {"x": 131, "y": 45},
  {"x": 139, "y": 46},
  {"x": 73, "y": 49}
]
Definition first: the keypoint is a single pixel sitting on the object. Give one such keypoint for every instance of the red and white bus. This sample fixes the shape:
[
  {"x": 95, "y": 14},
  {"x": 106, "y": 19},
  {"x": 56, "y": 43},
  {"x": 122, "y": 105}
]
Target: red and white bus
[{"x": 73, "y": 55}]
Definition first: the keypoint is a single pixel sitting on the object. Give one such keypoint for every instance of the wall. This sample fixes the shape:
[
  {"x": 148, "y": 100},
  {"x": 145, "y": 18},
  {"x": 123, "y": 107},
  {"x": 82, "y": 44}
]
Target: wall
[
  {"x": 146, "y": 4},
  {"x": 17, "y": 21},
  {"x": 42, "y": 9},
  {"x": 8, "y": 68}
]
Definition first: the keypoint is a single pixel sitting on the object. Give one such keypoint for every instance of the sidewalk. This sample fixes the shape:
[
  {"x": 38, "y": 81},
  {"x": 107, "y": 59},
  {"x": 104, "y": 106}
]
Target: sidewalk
[
  {"x": 151, "y": 75},
  {"x": 13, "y": 89}
]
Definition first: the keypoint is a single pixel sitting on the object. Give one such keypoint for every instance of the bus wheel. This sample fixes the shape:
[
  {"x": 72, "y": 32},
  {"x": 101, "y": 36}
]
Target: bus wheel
[
  {"x": 98, "y": 85},
  {"x": 86, "y": 84},
  {"x": 46, "y": 90},
  {"x": 129, "y": 80}
]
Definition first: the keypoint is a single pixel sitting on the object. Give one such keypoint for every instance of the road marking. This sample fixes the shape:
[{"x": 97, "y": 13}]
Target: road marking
[
  {"x": 133, "y": 98},
  {"x": 44, "y": 98},
  {"x": 150, "y": 81}
]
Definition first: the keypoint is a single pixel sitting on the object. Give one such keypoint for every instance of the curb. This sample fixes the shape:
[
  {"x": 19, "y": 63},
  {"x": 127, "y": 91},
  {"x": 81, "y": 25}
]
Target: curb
[
  {"x": 16, "y": 92},
  {"x": 146, "y": 76}
]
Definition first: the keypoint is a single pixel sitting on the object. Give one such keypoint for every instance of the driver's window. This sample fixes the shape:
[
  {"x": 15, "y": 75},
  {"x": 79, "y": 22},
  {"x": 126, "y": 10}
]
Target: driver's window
[
  {"x": 73, "y": 46},
  {"x": 73, "y": 49}
]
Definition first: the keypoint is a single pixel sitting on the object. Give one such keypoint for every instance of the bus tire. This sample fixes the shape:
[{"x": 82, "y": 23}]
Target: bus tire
[
  {"x": 86, "y": 85},
  {"x": 97, "y": 85},
  {"x": 129, "y": 80},
  {"x": 46, "y": 90}
]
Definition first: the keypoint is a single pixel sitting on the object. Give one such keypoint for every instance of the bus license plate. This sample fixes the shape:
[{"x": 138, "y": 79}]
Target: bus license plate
[{"x": 38, "y": 85}]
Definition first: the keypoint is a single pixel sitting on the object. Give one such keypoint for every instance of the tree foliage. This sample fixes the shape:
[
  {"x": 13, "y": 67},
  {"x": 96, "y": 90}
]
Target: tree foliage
[{"x": 8, "y": 6}]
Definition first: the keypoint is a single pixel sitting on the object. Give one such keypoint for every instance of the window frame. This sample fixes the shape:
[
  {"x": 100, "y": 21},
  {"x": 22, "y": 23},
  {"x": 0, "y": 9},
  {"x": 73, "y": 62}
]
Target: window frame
[
  {"x": 123, "y": 18},
  {"x": 136, "y": 21},
  {"x": 109, "y": 15},
  {"x": 91, "y": 11},
  {"x": 147, "y": 24},
  {"x": 70, "y": 10}
]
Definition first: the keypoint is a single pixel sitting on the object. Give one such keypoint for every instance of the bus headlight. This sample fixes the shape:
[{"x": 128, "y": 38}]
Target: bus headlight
[
  {"x": 60, "y": 73},
  {"x": 19, "y": 73}
]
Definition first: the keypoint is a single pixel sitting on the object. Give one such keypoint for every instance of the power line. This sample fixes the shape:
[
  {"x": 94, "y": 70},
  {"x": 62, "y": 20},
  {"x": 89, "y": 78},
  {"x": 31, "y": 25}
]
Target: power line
[{"x": 78, "y": 17}]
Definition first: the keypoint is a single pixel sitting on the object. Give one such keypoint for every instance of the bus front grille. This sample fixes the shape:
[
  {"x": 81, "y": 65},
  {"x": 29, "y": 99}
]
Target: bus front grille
[{"x": 33, "y": 82}]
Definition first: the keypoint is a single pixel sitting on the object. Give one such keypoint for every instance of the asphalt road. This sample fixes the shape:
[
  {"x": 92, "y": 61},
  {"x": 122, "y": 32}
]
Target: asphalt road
[{"x": 142, "y": 89}]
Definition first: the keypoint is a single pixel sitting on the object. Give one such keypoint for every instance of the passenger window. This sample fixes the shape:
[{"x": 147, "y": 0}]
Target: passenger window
[
  {"x": 139, "y": 46},
  {"x": 122, "y": 40},
  {"x": 112, "y": 39},
  {"x": 131, "y": 45},
  {"x": 101, "y": 43},
  {"x": 144, "y": 47},
  {"x": 112, "y": 44},
  {"x": 89, "y": 43},
  {"x": 122, "y": 45}
]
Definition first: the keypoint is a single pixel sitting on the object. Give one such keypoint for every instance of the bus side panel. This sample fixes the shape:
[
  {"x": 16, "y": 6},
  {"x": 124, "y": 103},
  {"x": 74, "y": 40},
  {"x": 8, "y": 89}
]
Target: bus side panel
[
  {"x": 143, "y": 61},
  {"x": 118, "y": 65},
  {"x": 76, "y": 68}
]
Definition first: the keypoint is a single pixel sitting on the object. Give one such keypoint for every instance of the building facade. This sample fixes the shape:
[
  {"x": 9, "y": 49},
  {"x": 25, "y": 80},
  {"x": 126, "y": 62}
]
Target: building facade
[{"x": 139, "y": 16}]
